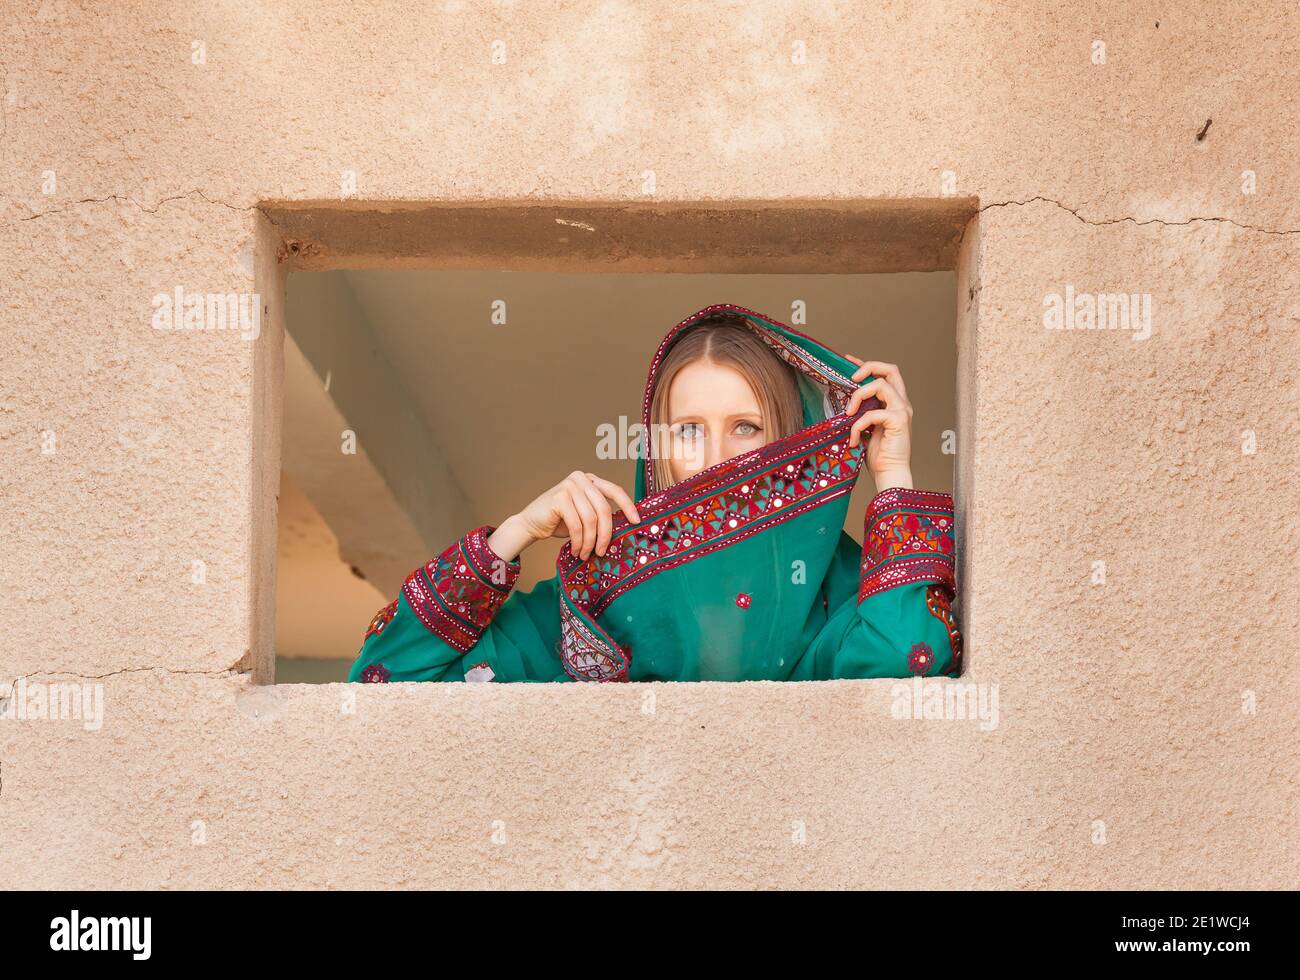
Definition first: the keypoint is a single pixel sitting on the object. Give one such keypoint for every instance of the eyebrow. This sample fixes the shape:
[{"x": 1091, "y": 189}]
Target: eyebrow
[{"x": 730, "y": 418}]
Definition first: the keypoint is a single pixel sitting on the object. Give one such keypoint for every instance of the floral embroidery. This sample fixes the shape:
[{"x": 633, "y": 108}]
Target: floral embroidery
[
  {"x": 909, "y": 538},
  {"x": 456, "y": 594},
  {"x": 743, "y": 600},
  {"x": 921, "y": 659},
  {"x": 938, "y": 602},
  {"x": 382, "y": 619},
  {"x": 375, "y": 674}
]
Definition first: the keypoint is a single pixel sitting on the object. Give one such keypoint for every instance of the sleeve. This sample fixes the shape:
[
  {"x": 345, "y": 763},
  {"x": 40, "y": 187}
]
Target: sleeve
[
  {"x": 458, "y": 618},
  {"x": 889, "y": 606}
]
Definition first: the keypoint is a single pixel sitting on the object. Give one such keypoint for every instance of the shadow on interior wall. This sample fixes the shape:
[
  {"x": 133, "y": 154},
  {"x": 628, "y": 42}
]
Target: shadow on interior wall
[{"x": 310, "y": 670}]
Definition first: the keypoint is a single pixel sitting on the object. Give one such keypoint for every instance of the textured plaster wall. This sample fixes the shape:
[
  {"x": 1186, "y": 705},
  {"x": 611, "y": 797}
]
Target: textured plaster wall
[{"x": 1119, "y": 703}]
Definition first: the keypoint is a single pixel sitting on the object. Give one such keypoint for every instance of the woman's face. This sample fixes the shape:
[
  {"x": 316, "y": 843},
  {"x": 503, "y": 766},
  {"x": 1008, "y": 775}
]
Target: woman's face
[{"x": 712, "y": 415}]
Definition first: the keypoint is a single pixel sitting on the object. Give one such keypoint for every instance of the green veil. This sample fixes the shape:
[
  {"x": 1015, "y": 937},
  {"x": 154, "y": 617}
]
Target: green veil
[{"x": 722, "y": 577}]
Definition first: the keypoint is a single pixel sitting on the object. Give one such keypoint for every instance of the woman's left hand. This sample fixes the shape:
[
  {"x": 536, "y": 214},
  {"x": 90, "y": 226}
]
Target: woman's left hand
[{"x": 889, "y": 449}]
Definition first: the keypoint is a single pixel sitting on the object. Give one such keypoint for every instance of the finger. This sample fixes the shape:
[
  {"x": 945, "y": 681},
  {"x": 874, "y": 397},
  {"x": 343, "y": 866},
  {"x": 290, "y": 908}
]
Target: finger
[
  {"x": 570, "y": 516},
  {"x": 855, "y": 360},
  {"x": 860, "y": 395},
  {"x": 604, "y": 516},
  {"x": 864, "y": 369},
  {"x": 588, "y": 515},
  {"x": 617, "y": 494},
  {"x": 890, "y": 395},
  {"x": 877, "y": 416},
  {"x": 896, "y": 379},
  {"x": 883, "y": 369},
  {"x": 587, "y": 521},
  {"x": 856, "y": 430},
  {"x": 885, "y": 391}
]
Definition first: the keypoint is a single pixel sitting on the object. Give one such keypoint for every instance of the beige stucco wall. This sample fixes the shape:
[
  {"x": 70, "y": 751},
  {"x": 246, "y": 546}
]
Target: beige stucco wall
[{"x": 1120, "y": 703}]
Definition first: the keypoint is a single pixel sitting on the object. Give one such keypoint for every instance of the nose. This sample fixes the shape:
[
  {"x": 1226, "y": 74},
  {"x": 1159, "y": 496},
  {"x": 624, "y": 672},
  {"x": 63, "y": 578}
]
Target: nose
[{"x": 715, "y": 451}]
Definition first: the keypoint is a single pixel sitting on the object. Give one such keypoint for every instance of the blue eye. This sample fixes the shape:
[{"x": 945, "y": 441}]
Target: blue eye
[
  {"x": 690, "y": 430},
  {"x": 747, "y": 429}
]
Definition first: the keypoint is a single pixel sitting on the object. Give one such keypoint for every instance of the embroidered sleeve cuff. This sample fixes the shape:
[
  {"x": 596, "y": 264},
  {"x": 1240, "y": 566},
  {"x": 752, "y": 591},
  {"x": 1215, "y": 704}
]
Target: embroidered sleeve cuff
[
  {"x": 456, "y": 594},
  {"x": 908, "y": 538}
]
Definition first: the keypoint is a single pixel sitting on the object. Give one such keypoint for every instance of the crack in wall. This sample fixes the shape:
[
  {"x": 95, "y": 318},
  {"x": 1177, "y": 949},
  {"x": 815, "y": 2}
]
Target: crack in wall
[
  {"x": 1095, "y": 222},
  {"x": 152, "y": 210},
  {"x": 13, "y": 685},
  {"x": 1099, "y": 222}
]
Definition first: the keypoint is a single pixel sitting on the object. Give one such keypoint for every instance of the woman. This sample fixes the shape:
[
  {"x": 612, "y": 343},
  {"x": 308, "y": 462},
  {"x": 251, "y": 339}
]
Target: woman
[{"x": 730, "y": 562}]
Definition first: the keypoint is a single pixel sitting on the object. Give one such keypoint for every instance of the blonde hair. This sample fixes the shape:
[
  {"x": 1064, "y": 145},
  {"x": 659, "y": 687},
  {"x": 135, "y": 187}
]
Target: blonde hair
[{"x": 723, "y": 338}]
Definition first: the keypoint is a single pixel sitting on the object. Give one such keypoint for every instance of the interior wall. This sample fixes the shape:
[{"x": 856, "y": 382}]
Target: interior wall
[
  {"x": 322, "y": 604},
  {"x": 1146, "y": 735}
]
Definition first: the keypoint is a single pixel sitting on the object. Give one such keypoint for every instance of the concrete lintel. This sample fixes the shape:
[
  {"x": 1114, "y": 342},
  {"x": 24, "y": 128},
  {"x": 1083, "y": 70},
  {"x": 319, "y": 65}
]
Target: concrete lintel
[{"x": 787, "y": 236}]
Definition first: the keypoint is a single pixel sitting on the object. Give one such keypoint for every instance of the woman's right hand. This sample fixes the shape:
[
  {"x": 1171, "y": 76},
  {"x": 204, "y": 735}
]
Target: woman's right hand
[{"x": 578, "y": 507}]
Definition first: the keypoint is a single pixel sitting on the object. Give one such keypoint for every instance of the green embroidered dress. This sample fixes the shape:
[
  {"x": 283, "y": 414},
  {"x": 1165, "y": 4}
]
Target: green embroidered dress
[{"x": 741, "y": 572}]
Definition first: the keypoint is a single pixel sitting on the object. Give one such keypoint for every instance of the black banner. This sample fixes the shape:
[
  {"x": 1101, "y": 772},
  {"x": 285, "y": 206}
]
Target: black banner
[{"x": 240, "y": 929}]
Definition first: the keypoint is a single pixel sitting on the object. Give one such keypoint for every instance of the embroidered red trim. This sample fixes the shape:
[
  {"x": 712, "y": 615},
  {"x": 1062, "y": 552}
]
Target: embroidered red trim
[
  {"x": 456, "y": 594},
  {"x": 717, "y": 507},
  {"x": 490, "y": 566},
  {"x": 381, "y": 620},
  {"x": 587, "y": 655},
  {"x": 375, "y": 674},
  {"x": 909, "y": 537},
  {"x": 939, "y": 601}
]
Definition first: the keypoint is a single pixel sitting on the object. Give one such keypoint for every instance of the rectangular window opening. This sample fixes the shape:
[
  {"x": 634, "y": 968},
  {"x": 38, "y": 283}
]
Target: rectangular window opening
[{"x": 444, "y": 365}]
